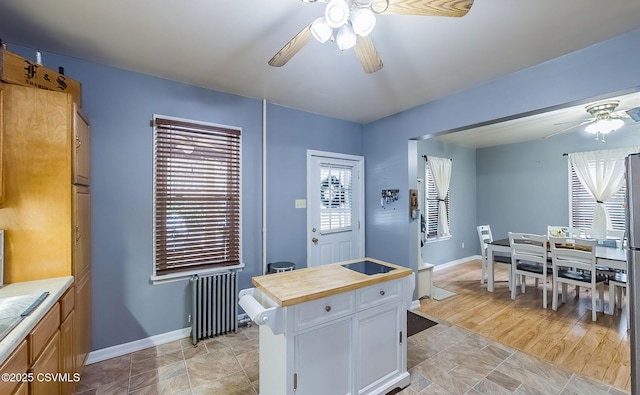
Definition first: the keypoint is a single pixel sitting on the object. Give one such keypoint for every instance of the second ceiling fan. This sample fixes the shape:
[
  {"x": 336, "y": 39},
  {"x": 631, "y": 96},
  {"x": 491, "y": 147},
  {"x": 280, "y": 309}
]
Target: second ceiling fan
[{"x": 349, "y": 23}]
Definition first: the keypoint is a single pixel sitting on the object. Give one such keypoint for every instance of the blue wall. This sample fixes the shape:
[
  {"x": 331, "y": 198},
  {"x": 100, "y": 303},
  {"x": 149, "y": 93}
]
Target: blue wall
[
  {"x": 462, "y": 200},
  {"x": 524, "y": 187},
  {"x": 289, "y": 134},
  {"x": 601, "y": 69},
  {"x": 120, "y": 105}
]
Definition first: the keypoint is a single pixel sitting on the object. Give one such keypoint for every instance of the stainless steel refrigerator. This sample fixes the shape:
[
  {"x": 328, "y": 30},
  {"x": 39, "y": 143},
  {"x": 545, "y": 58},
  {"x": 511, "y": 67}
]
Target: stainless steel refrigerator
[{"x": 633, "y": 263}]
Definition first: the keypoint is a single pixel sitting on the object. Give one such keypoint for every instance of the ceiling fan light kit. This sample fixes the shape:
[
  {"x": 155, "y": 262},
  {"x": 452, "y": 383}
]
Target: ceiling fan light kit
[
  {"x": 346, "y": 38},
  {"x": 604, "y": 126},
  {"x": 337, "y": 13},
  {"x": 604, "y": 123},
  {"x": 321, "y": 30},
  {"x": 363, "y": 20}
]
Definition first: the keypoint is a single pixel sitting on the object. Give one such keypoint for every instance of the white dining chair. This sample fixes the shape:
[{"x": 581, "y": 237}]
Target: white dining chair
[
  {"x": 597, "y": 234},
  {"x": 484, "y": 233},
  {"x": 574, "y": 263},
  {"x": 529, "y": 258},
  {"x": 562, "y": 231},
  {"x": 618, "y": 291}
]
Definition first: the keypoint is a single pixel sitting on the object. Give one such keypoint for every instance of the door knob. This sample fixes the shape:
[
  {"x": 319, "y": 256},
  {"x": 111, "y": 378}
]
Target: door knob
[{"x": 315, "y": 240}]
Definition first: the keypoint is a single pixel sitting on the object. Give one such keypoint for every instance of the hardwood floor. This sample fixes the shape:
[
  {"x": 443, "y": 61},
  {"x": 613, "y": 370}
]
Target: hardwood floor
[{"x": 566, "y": 337}]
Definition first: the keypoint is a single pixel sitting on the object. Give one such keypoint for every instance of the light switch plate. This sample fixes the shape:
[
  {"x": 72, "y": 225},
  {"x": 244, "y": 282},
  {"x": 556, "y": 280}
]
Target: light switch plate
[{"x": 301, "y": 203}]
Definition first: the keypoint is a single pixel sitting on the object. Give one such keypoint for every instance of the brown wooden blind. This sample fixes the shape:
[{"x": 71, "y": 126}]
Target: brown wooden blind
[{"x": 196, "y": 196}]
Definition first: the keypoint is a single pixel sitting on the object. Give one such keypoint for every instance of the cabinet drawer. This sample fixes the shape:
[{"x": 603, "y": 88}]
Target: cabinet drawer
[
  {"x": 67, "y": 302},
  {"x": 323, "y": 310},
  {"x": 377, "y": 294},
  {"x": 43, "y": 331},
  {"x": 18, "y": 362}
]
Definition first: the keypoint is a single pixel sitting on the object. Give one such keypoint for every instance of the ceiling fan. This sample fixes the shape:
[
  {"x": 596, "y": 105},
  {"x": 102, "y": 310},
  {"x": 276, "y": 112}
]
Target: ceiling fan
[
  {"x": 604, "y": 119},
  {"x": 349, "y": 22}
]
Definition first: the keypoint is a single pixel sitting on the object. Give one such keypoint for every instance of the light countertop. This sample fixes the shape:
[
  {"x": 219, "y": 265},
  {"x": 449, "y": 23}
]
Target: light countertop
[
  {"x": 56, "y": 288},
  {"x": 303, "y": 285}
]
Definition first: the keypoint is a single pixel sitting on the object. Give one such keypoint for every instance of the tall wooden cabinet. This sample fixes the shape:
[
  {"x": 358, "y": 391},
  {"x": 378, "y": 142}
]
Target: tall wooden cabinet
[{"x": 46, "y": 212}]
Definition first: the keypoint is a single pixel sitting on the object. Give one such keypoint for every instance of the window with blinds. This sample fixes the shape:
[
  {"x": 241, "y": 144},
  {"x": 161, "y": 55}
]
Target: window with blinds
[
  {"x": 196, "y": 196},
  {"x": 431, "y": 202},
  {"x": 583, "y": 205},
  {"x": 336, "y": 198}
]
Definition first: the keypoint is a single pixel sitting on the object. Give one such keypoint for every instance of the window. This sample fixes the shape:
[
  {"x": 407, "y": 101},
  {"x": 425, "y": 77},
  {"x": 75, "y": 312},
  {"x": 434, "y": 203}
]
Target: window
[
  {"x": 196, "y": 183},
  {"x": 432, "y": 202},
  {"x": 583, "y": 205},
  {"x": 336, "y": 202}
]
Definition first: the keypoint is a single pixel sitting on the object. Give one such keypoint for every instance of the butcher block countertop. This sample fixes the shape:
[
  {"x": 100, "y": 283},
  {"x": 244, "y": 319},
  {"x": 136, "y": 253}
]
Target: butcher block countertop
[{"x": 303, "y": 285}]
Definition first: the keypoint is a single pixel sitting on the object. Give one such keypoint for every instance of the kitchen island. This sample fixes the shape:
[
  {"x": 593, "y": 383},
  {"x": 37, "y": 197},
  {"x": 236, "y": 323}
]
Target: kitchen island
[{"x": 332, "y": 329}]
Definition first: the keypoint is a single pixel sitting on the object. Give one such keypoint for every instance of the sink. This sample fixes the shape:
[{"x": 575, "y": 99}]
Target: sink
[
  {"x": 13, "y": 309},
  {"x": 368, "y": 267}
]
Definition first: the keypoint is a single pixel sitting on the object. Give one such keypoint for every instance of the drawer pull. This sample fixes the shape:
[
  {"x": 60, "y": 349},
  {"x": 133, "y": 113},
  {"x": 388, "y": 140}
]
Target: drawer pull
[
  {"x": 328, "y": 308},
  {"x": 382, "y": 293}
]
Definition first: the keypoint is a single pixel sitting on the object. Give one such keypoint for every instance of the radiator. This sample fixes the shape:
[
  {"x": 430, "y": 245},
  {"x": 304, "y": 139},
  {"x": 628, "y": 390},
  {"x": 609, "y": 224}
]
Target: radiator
[{"x": 214, "y": 305}]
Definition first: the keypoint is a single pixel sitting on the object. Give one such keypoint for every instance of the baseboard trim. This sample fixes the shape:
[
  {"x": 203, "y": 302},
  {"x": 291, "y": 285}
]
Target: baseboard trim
[
  {"x": 456, "y": 262},
  {"x": 414, "y": 305},
  {"x": 137, "y": 345}
]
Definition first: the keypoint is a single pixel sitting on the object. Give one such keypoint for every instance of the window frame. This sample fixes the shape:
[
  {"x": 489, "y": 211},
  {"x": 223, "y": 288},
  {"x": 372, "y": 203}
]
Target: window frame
[
  {"x": 614, "y": 204},
  {"x": 159, "y": 278},
  {"x": 429, "y": 185}
]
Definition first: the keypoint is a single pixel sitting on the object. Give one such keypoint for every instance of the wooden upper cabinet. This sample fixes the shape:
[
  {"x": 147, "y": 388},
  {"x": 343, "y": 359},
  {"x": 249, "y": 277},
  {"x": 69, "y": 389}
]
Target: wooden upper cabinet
[
  {"x": 82, "y": 230},
  {"x": 1, "y": 145},
  {"x": 81, "y": 148}
]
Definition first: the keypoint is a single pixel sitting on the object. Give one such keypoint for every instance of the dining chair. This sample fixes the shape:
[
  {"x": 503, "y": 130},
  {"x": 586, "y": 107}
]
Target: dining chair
[
  {"x": 617, "y": 290},
  {"x": 617, "y": 235},
  {"x": 597, "y": 234},
  {"x": 484, "y": 233},
  {"x": 562, "y": 231},
  {"x": 529, "y": 258},
  {"x": 556, "y": 231},
  {"x": 574, "y": 262}
]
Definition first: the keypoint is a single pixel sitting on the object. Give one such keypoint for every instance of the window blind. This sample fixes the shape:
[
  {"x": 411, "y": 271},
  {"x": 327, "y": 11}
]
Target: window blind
[
  {"x": 583, "y": 205},
  {"x": 196, "y": 196},
  {"x": 336, "y": 198},
  {"x": 431, "y": 199}
]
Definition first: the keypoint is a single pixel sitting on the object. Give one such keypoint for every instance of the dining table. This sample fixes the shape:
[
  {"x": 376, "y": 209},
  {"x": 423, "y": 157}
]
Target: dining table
[{"x": 614, "y": 258}]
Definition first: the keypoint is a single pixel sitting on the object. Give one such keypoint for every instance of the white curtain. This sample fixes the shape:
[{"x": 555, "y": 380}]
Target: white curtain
[
  {"x": 441, "y": 171},
  {"x": 602, "y": 174}
]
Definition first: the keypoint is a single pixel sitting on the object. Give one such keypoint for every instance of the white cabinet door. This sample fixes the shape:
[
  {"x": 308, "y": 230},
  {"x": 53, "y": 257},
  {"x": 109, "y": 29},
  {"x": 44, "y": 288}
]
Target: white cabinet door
[
  {"x": 323, "y": 359},
  {"x": 378, "y": 345}
]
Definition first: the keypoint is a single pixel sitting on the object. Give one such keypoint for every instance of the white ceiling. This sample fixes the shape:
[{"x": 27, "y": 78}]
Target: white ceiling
[
  {"x": 546, "y": 124},
  {"x": 225, "y": 45}
]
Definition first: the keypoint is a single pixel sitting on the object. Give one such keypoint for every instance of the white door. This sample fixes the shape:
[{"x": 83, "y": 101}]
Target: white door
[{"x": 335, "y": 207}]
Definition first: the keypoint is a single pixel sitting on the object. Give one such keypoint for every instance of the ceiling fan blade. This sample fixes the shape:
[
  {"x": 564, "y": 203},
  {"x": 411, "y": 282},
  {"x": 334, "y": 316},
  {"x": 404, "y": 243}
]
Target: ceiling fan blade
[
  {"x": 569, "y": 128},
  {"x": 452, "y": 8},
  {"x": 634, "y": 113},
  {"x": 292, "y": 47},
  {"x": 367, "y": 55}
]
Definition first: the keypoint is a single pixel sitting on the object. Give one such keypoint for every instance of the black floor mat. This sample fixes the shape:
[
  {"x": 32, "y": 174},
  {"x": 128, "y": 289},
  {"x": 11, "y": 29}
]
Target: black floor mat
[{"x": 417, "y": 323}]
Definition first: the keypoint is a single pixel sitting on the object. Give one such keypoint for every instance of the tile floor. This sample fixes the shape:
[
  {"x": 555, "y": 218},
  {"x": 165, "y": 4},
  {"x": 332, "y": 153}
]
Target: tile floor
[{"x": 443, "y": 359}]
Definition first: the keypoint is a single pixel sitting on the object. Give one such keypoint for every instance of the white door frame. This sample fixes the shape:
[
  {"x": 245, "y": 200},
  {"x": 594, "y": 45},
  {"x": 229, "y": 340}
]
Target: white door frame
[{"x": 359, "y": 165}]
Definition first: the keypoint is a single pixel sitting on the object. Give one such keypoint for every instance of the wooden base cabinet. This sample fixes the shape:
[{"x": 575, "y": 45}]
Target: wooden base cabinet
[
  {"x": 82, "y": 320},
  {"x": 349, "y": 343},
  {"x": 47, "y": 364}
]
